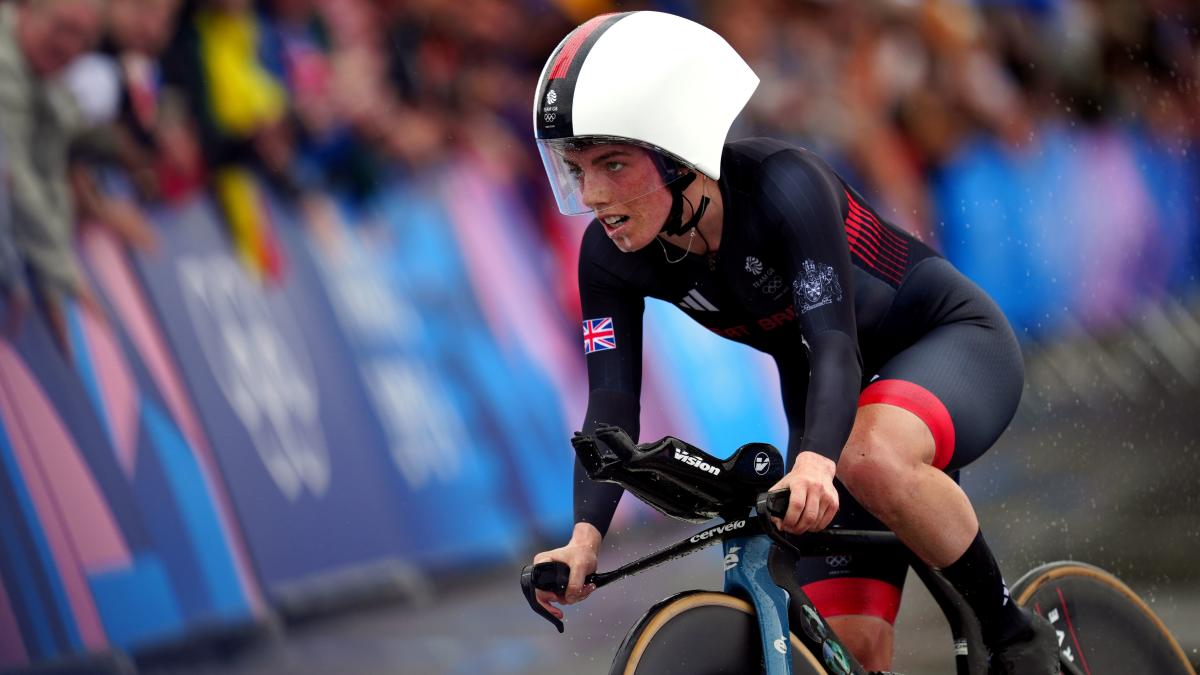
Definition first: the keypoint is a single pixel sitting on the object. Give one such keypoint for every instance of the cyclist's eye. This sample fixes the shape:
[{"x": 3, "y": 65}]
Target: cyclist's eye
[
  {"x": 615, "y": 166},
  {"x": 575, "y": 171}
]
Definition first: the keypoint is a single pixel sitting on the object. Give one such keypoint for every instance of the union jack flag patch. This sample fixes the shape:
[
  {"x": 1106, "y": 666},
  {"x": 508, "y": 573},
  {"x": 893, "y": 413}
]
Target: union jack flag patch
[{"x": 598, "y": 335}]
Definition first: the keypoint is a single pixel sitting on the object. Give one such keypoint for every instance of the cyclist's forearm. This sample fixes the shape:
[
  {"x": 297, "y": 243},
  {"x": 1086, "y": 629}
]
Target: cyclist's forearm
[
  {"x": 832, "y": 394},
  {"x": 595, "y": 503}
]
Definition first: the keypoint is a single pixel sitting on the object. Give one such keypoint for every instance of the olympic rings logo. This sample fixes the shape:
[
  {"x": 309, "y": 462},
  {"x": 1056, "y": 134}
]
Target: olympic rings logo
[{"x": 838, "y": 560}]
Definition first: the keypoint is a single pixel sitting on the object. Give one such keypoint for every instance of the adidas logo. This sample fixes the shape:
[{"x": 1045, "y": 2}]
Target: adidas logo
[{"x": 697, "y": 303}]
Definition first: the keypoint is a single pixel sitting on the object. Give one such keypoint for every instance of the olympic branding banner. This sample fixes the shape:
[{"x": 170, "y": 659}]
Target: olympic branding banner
[
  {"x": 110, "y": 533},
  {"x": 448, "y": 471},
  {"x": 277, "y": 392},
  {"x": 58, "y": 529}
]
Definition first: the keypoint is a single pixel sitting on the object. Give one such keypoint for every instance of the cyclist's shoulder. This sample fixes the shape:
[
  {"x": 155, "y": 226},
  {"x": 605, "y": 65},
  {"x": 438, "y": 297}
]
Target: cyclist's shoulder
[
  {"x": 776, "y": 175},
  {"x": 754, "y": 157}
]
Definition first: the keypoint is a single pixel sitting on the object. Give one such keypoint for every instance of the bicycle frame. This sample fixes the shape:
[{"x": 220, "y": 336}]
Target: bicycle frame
[
  {"x": 969, "y": 653},
  {"x": 759, "y": 567},
  {"x": 759, "y": 561},
  {"x": 749, "y": 574}
]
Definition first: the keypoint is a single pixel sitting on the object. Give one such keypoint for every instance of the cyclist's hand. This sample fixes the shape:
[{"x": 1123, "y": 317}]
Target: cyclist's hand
[
  {"x": 580, "y": 555},
  {"x": 814, "y": 500}
]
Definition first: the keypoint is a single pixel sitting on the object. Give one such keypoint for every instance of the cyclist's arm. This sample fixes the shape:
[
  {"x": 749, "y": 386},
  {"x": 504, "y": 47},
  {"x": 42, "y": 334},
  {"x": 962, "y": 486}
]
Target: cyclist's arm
[
  {"x": 614, "y": 374},
  {"x": 803, "y": 196}
]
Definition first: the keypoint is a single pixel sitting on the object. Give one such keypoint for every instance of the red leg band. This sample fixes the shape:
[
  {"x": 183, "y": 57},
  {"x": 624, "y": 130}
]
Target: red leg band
[
  {"x": 847, "y": 596},
  {"x": 921, "y": 402}
]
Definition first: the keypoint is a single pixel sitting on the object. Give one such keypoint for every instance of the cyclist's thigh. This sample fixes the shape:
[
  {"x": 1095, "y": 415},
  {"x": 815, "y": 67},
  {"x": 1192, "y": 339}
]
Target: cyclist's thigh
[{"x": 963, "y": 377}]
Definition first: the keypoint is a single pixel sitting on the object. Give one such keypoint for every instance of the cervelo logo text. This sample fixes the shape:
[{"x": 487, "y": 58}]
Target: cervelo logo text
[
  {"x": 683, "y": 456},
  {"x": 258, "y": 357},
  {"x": 720, "y": 529}
]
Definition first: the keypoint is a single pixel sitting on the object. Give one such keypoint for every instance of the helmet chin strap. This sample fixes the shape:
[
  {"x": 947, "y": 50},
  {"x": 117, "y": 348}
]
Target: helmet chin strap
[{"x": 674, "y": 224}]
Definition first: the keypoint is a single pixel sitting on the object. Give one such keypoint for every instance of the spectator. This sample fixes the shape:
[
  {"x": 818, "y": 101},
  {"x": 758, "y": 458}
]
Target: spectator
[
  {"x": 242, "y": 111},
  {"x": 13, "y": 295},
  {"x": 38, "y": 120},
  {"x": 117, "y": 88},
  {"x": 138, "y": 32},
  {"x": 296, "y": 50}
]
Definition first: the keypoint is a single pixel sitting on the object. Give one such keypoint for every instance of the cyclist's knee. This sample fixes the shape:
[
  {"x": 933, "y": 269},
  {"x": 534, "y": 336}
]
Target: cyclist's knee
[
  {"x": 868, "y": 638},
  {"x": 884, "y": 447},
  {"x": 872, "y": 471}
]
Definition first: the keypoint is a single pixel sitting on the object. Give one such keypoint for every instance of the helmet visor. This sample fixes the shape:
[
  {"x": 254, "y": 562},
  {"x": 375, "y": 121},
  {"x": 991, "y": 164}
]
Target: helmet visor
[{"x": 599, "y": 174}]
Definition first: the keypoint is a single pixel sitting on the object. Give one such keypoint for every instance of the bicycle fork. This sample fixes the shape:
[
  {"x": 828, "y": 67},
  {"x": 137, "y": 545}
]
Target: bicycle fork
[{"x": 759, "y": 571}]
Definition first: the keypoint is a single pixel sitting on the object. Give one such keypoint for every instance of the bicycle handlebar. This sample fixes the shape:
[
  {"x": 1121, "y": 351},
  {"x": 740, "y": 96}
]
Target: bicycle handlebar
[{"x": 553, "y": 576}]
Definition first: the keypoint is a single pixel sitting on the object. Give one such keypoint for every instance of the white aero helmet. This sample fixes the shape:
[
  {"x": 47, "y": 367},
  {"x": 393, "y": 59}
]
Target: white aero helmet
[{"x": 646, "y": 78}]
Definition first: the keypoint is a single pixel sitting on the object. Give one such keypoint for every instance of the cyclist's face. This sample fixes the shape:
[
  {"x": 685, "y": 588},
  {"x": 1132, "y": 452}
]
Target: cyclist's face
[{"x": 621, "y": 184}]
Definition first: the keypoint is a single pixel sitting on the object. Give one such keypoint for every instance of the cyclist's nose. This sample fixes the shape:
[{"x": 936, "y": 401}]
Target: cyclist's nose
[{"x": 596, "y": 192}]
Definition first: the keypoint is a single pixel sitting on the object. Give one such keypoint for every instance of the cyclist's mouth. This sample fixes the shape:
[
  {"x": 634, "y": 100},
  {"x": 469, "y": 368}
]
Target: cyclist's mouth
[{"x": 614, "y": 224}]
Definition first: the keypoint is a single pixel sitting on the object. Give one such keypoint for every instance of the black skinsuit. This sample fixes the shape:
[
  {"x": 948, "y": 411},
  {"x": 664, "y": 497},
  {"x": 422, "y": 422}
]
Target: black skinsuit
[{"x": 808, "y": 273}]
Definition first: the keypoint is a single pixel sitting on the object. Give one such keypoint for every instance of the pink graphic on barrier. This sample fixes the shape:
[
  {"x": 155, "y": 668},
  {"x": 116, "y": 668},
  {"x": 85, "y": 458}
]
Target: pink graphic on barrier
[
  {"x": 515, "y": 304},
  {"x": 118, "y": 390},
  {"x": 116, "y": 278},
  {"x": 79, "y": 529},
  {"x": 12, "y": 648}
]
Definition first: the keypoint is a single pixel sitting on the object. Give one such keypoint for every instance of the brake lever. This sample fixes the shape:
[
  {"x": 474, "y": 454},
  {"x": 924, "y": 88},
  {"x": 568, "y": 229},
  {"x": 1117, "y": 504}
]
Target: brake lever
[
  {"x": 774, "y": 504},
  {"x": 549, "y": 576}
]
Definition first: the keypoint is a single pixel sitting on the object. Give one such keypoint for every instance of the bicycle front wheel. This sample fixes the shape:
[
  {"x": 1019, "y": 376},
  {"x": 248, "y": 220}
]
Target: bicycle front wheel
[
  {"x": 701, "y": 633},
  {"x": 1103, "y": 626}
]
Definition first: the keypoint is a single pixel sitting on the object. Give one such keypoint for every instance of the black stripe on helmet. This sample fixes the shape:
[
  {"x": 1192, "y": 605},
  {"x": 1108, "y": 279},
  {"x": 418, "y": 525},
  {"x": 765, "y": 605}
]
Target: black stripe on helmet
[{"x": 552, "y": 115}]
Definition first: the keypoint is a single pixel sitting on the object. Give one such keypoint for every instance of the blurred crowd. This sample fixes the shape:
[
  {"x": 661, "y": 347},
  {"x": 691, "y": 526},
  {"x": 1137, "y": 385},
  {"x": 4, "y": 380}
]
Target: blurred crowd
[
  {"x": 893, "y": 90},
  {"x": 111, "y": 107}
]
